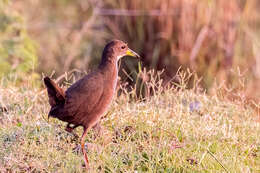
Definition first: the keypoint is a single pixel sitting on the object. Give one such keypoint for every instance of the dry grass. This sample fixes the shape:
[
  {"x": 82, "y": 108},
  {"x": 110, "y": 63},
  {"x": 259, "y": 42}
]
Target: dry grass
[{"x": 177, "y": 130}]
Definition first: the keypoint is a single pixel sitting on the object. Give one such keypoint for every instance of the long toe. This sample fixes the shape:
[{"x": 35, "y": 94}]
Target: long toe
[
  {"x": 88, "y": 147},
  {"x": 78, "y": 150}
]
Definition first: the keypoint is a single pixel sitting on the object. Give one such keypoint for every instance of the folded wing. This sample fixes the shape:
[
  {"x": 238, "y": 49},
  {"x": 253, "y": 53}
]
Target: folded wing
[{"x": 83, "y": 95}]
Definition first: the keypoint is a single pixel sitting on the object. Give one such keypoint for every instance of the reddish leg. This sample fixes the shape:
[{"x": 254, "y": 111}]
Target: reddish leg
[{"x": 83, "y": 147}]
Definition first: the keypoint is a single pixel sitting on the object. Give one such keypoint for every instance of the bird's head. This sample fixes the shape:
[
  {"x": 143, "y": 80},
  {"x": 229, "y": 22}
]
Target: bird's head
[{"x": 117, "y": 49}]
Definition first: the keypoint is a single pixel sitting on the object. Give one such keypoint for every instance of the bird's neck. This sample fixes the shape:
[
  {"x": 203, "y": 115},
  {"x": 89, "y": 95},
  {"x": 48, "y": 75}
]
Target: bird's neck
[{"x": 110, "y": 71}]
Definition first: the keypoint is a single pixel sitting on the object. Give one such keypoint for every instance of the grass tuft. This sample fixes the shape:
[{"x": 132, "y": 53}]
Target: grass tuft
[{"x": 173, "y": 130}]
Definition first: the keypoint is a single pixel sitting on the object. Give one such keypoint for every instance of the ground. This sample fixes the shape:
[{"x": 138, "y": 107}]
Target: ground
[{"x": 178, "y": 130}]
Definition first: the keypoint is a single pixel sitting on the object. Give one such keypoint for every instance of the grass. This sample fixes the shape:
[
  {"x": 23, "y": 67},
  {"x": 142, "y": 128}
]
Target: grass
[{"x": 178, "y": 130}]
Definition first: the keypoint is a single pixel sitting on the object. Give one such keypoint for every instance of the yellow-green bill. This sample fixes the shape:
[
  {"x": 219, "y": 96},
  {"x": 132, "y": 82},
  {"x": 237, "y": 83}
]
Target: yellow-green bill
[{"x": 129, "y": 52}]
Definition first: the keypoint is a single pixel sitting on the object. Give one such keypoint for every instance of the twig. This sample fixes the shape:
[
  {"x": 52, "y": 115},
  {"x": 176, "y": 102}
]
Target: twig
[
  {"x": 201, "y": 37},
  {"x": 65, "y": 74},
  {"x": 127, "y": 75},
  {"x": 125, "y": 12},
  {"x": 217, "y": 161},
  {"x": 203, "y": 155}
]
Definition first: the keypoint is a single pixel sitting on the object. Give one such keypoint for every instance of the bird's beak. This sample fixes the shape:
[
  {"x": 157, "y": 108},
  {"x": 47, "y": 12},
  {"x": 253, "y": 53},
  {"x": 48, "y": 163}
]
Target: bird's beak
[{"x": 129, "y": 52}]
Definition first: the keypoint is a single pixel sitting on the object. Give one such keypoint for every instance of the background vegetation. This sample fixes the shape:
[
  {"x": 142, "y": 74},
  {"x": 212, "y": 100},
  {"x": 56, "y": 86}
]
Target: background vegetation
[
  {"x": 17, "y": 51},
  {"x": 206, "y": 120},
  {"x": 213, "y": 38}
]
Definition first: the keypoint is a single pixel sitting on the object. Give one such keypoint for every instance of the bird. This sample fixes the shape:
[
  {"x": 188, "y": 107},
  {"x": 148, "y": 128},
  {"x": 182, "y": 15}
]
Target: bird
[{"x": 86, "y": 101}]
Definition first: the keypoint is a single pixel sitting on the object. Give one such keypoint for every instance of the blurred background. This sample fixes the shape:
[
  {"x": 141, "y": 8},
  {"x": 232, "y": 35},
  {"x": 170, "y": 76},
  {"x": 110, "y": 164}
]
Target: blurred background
[{"x": 217, "y": 39}]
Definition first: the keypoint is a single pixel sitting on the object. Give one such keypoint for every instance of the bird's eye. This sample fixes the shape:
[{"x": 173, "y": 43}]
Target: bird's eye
[{"x": 123, "y": 47}]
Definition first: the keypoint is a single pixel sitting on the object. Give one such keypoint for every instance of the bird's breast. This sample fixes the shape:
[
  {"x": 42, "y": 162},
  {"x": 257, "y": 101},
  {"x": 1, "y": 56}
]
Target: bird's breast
[
  {"x": 109, "y": 88},
  {"x": 103, "y": 104}
]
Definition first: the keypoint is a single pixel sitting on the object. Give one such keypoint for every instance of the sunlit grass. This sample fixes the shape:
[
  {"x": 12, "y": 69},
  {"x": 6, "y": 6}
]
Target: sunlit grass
[{"x": 177, "y": 130}]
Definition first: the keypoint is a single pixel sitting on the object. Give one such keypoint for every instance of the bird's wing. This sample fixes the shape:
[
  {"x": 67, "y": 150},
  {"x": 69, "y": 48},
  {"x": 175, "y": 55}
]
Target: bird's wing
[
  {"x": 55, "y": 93},
  {"x": 83, "y": 95}
]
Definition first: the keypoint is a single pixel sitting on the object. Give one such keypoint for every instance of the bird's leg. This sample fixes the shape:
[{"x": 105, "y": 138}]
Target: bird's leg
[
  {"x": 83, "y": 147},
  {"x": 97, "y": 130},
  {"x": 70, "y": 130}
]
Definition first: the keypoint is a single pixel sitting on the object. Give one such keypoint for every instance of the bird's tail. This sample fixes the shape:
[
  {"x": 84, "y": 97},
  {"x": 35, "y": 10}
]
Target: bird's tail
[{"x": 55, "y": 93}]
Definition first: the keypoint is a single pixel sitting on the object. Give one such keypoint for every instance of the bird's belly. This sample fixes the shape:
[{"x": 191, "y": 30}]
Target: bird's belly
[{"x": 101, "y": 108}]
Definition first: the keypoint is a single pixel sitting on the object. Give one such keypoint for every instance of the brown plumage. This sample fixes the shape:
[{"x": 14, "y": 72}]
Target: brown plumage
[{"x": 86, "y": 100}]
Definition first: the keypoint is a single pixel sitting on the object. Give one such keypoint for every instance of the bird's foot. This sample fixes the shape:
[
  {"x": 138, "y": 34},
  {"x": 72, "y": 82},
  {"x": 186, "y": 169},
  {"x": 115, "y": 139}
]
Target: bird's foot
[
  {"x": 70, "y": 131},
  {"x": 88, "y": 147},
  {"x": 97, "y": 130},
  {"x": 78, "y": 148}
]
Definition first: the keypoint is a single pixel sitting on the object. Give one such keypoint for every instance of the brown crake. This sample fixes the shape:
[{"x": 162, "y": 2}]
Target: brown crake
[{"x": 84, "y": 102}]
